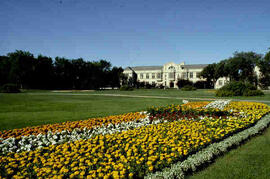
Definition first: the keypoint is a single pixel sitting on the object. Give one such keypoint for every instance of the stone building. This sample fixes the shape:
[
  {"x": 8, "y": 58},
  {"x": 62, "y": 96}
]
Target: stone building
[{"x": 168, "y": 74}]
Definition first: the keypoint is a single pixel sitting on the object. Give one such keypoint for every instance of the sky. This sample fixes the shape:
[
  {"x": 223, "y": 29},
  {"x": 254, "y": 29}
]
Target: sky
[{"x": 135, "y": 32}]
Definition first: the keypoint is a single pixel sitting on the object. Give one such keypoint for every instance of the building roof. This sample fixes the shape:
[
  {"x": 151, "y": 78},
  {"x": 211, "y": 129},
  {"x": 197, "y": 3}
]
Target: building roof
[
  {"x": 142, "y": 68},
  {"x": 195, "y": 66},
  {"x": 145, "y": 68}
]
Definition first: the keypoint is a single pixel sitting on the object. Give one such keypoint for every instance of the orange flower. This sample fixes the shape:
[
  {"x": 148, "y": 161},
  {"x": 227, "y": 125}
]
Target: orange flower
[{"x": 70, "y": 125}]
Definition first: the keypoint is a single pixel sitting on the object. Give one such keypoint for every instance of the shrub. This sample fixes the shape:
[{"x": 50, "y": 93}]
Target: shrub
[
  {"x": 181, "y": 83},
  {"x": 126, "y": 88},
  {"x": 224, "y": 93},
  {"x": 203, "y": 85},
  {"x": 188, "y": 88},
  {"x": 238, "y": 88},
  {"x": 253, "y": 93},
  {"x": 149, "y": 86},
  {"x": 141, "y": 84},
  {"x": 10, "y": 88},
  {"x": 160, "y": 86}
]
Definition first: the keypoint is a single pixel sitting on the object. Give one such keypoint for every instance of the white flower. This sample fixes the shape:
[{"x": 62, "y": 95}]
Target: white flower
[{"x": 185, "y": 101}]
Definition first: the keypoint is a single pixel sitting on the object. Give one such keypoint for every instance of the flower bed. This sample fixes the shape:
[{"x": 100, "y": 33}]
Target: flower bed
[
  {"x": 69, "y": 126},
  {"x": 149, "y": 143}
]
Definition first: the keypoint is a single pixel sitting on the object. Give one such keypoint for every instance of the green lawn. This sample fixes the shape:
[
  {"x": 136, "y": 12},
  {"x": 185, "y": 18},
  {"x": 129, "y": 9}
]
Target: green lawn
[
  {"x": 184, "y": 94},
  {"x": 30, "y": 109},
  {"x": 251, "y": 160},
  {"x": 36, "y": 107}
]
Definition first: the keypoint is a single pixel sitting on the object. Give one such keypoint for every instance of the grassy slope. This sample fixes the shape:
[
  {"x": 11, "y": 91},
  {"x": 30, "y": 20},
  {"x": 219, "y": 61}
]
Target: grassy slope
[
  {"x": 251, "y": 160},
  {"x": 29, "y": 109}
]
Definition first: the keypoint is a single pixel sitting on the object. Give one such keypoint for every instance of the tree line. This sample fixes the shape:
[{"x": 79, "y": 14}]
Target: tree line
[
  {"x": 240, "y": 67},
  {"x": 42, "y": 72}
]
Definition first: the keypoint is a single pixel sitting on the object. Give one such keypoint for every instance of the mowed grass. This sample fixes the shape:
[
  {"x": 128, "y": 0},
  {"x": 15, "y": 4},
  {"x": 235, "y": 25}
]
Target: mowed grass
[
  {"x": 31, "y": 109},
  {"x": 207, "y": 93}
]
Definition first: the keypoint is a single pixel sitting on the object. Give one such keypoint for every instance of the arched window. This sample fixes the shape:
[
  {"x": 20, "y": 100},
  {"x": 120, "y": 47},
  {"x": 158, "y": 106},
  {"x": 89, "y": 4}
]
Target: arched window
[{"x": 171, "y": 68}]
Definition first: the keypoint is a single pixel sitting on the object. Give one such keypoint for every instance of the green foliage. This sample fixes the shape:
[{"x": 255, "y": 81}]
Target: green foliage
[
  {"x": 188, "y": 88},
  {"x": 10, "y": 88},
  {"x": 202, "y": 84},
  {"x": 29, "y": 72},
  {"x": 240, "y": 67},
  {"x": 253, "y": 93},
  {"x": 149, "y": 86},
  {"x": 210, "y": 73},
  {"x": 264, "y": 66},
  {"x": 238, "y": 88},
  {"x": 224, "y": 93},
  {"x": 182, "y": 82},
  {"x": 126, "y": 88}
]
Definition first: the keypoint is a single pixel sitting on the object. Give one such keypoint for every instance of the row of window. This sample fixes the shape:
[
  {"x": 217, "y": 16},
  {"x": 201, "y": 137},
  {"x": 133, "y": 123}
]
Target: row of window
[
  {"x": 190, "y": 74},
  {"x": 171, "y": 75},
  {"x": 154, "y": 75}
]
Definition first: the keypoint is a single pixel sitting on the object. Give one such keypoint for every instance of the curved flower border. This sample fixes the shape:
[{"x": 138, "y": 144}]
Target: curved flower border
[
  {"x": 179, "y": 169},
  {"x": 32, "y": 142}
]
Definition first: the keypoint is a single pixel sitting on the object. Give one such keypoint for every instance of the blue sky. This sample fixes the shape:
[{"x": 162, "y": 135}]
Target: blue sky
[{"x": 134, "y": 32}]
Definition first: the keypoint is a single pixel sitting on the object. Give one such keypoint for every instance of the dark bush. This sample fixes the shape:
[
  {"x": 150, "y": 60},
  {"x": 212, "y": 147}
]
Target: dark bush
[
  {"x": 126, "y": 88},
  {"x": 188, "y": 88},
  {"x": 141, "y": 84},
  {"x": 160, "y": 86},
  {"x": 149, "y": 86},
  {"x": 203, "y": 85},
  {"x": 181, "y": 83},
  {"x": 253, "y": 93},
  {"x": 224, "y": 93},
  {"x": 238, "y": 88},
  {"x": 10, "y": 88}
]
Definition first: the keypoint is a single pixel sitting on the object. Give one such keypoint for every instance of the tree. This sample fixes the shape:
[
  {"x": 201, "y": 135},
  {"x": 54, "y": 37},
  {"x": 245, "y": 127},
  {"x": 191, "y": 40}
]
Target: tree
[
  {"x": 210, "y": 73},
  {"x": 123, "y": 79},
  {"x": 264, "y": 66},
  {"x": 26, "y": 71},
  {"x": 133, "y": 81},
  {"x": 44, "y": 73},
  {"x": 22, "y": 68},
  {"x": 245, "y": 63},
  {"x": 63, "y": 73},
  {"x": 115, "y": 75},
  {"x": 4, "y": 70},
  {"x": 240, "y": 67},
  {"x": 78, "y": 73}
]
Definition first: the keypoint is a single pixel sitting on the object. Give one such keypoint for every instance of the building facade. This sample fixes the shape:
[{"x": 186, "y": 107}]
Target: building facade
[{"x": 168, "y": 74}]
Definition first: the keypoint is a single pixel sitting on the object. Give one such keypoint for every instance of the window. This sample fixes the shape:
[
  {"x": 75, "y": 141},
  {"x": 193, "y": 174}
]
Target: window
[
  {"x": 197, "y": 74},
  {"x": 171, "y": 68},
  {"x": 141, "y": 75},
  {"x": 184, "y": 75},
  {"x": 158, "y": 75},
  {"x": 147, "y": 75},
  {"x": 171, "y": 75},
  {"x": 220, "y": 82},
  {"x": 153, "y": 76},
  {"x": 191, "y": 74}
]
